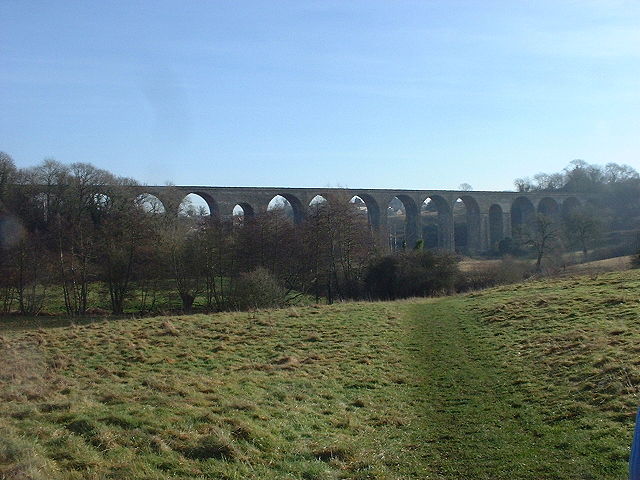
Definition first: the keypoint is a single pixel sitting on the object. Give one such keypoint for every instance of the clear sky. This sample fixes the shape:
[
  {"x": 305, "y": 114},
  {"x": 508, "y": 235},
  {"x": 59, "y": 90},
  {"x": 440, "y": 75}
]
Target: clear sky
[{"x": 379, "y": 94}]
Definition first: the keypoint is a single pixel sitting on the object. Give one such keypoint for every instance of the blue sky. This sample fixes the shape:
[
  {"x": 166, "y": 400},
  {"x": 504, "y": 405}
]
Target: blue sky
[{"x": 379, "y": 94}]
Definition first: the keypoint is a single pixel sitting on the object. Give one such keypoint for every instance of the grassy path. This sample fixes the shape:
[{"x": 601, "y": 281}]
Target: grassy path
[{"x": 484, "y": 416}]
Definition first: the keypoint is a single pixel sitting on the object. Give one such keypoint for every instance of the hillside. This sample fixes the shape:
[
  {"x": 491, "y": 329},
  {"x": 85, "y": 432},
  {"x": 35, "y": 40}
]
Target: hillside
[{"x": 538, "y": 380}]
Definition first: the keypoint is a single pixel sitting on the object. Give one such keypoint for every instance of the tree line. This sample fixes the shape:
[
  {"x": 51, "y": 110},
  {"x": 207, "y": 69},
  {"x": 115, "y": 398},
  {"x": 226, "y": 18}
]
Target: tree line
[
  {"x": 610, "y": 219},
  {"x": 616, "y": 190},
  {"x": 74, "y": 231}
]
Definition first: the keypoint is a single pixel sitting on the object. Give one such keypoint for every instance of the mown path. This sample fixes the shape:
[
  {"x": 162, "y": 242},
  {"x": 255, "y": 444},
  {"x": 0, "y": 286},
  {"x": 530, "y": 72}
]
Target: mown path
[{"x": 485, "y": 417}]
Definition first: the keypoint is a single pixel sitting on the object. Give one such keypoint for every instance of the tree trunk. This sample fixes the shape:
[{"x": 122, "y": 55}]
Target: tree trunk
[{"x": 187, "y": 302}]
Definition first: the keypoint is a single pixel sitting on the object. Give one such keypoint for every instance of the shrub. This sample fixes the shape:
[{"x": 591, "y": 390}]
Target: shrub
[
  {"x": 506, "y": 246},
  {"x": 411, "y": 274},
  {"x": 258, "y": 289}
]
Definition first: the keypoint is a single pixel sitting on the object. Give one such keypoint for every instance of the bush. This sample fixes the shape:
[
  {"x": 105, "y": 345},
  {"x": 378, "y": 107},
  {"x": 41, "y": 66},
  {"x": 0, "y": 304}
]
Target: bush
[
  {"x": 506, "y": 246},
  {"x": 258, "y": 289},
  {"x": 509, "y": 246},
  {"x": 411, "y": 274}
]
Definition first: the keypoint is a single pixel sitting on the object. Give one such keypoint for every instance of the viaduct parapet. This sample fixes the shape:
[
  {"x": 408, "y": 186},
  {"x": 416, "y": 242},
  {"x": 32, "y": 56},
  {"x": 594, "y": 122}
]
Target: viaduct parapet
[{"x": 491, "y": 216}]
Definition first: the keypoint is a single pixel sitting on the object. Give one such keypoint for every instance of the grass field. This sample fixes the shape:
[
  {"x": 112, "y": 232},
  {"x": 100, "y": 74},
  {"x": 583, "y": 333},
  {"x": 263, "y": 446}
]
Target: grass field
[
  {"x": 529, "y": 381},
  {"x": 574, "y": 267},
  {"x": 161, "y": 301},
  {"x": 615, "y": 264}
]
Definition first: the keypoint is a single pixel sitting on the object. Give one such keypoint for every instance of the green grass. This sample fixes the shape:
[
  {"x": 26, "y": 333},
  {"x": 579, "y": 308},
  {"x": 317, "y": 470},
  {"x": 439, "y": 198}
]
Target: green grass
[
  {"x": 530, "y": 381},
  {"x": 164, "y": 300}
]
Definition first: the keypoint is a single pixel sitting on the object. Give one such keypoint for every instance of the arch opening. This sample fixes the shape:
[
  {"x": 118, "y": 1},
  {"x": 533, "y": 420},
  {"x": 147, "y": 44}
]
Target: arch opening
[
  {"x": 402, "y": 223},
  {"x": 434, "y": 215},
  {"x": 548, "y": 207},
  {"x": 366, "y": 204},
  {"x": 360, "y": 208},
  {"x": 243, "y": 208},
  {"x": 466, "y": 225},
  {"x": 241, "y": 213},
  {"x": 238, "y": 215},
  {"x": 194, "y": 205},
  {"x": 238, "y": 211},
  {"x": 569, "y": 206},
  {"x": 282, "y": 206},
  {"x": 317, "y": 202},
  {"x": 522, "y": 216},
  {"x": 150, "y": 203},
  {"x": 396, "y": 224},
  {"x": 360, "y": 205}
]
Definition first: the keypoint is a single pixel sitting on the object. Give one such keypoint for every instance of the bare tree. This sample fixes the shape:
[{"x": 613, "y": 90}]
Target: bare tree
[
  {"x": 616, "y": 173},
  {"x": 219, "y": 262},
  {"x": 32, "y": 274},
  {"x": 272, "y": 241},
  {"x": 523, "y": 184},
  {"x": 183, "y": 249},
  {"x": 338, "y": 243},
  {"x": 76, "y": 229},
  {"x": 548, "y": 182},
  {"x": 542, "y": 236},
  {"x": 582, "y": 226},
  {"x": 125, "y": 232}
]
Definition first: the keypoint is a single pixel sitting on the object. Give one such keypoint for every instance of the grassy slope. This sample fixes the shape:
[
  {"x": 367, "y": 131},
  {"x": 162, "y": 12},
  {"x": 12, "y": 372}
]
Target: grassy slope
[
  {"x": 528, "y": 381},
  {"x": 282, "y": 394},
  {"x": 614, "y": 264}
]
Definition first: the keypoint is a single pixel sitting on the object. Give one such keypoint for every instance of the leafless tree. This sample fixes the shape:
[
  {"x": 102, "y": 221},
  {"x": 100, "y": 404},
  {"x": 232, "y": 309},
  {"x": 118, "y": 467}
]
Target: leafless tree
[
  {"x": 32, "y": 274},
  {"x": 184, "y": 252},
  {"x": 338, "y": 243},
  {"x": 582, "y": 226},
  {"x": 76, "y": 232},
  {"x": 218, "y": 261},
  {"x": 125, "y": 233},
  {"x": 542, "y": 236},
  {"x": 523, "y": 184}
]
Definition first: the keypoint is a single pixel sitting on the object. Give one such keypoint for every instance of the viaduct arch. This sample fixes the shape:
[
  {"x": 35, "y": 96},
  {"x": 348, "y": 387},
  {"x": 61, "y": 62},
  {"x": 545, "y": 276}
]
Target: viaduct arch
[{"x": 489, "y": 216}]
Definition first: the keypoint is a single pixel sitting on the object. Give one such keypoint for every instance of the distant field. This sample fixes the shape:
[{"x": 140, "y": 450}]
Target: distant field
[
  {"x": 599, "y": 266},
  {"x": 471, "y": 264},
  {"x": 615, "y": 264},
  {"x": 532, "y": 381}
]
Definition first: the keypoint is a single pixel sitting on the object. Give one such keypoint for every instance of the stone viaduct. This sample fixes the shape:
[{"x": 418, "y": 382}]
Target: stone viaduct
[{"x": 490, "y": 216}]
